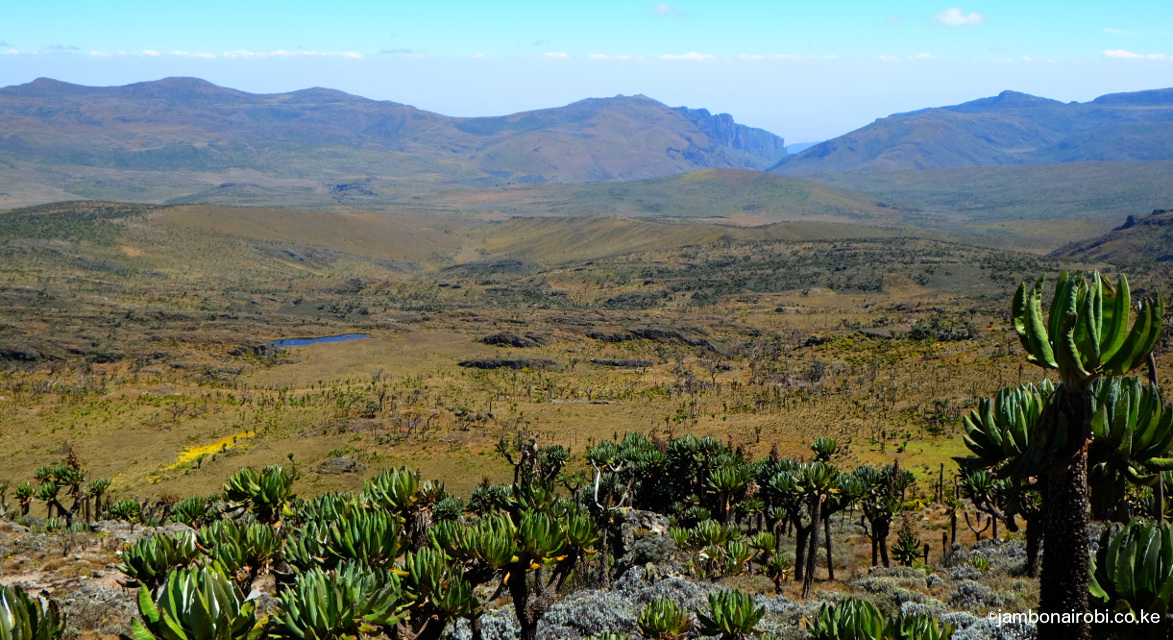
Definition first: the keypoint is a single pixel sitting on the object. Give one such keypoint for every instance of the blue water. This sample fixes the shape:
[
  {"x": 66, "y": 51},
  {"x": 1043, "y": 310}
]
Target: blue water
[{"x": 299, "y": 342}]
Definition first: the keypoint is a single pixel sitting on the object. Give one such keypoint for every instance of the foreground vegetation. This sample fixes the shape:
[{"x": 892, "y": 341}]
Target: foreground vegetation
[{"x": 760, "y": 415}]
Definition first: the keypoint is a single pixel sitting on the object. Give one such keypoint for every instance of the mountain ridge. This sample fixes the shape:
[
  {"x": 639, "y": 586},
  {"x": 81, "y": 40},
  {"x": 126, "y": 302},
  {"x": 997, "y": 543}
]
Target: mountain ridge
[
  {"x": 1012, "y": 128},
  {"x": 192, "y": 124}
]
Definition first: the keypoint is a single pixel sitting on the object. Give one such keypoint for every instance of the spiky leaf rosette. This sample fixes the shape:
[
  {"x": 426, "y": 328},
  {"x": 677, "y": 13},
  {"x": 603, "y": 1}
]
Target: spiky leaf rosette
[
  {"x": 851, "y": 619},
  {"x": 1000, "y": 430},
  {"x": 264, "y": 493},
  {"x": 148, "y": 560},
  {"x": 855, "y": 619},
  {"x": 1132, "y": 570},
  {"x": 196, "y": 603},
  {"x": 352, "y": 600},
  {"x": 732, "y": 615},
  {"x": 25, "y": 618},
  {"x": 1132, "y": 432},
  {"x": 1086, "y": 332},
  {"x": 663, "y": 619}
]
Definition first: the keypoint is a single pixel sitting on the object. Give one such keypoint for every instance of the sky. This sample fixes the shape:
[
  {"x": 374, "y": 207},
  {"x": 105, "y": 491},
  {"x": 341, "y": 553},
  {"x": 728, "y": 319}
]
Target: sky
[{"x": 807, "y": 71}]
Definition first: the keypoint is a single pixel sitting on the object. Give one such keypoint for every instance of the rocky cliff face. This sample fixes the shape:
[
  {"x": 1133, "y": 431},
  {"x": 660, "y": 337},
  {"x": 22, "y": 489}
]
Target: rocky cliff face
[{"x": 722, "y": 130}]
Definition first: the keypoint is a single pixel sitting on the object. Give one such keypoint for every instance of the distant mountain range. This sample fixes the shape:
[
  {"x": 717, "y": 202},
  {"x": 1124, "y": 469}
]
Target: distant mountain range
[
  {"x": 990, "y": 166},
  {"x": 322, "y": 136},
  {"x": 1009, "y": 129}
]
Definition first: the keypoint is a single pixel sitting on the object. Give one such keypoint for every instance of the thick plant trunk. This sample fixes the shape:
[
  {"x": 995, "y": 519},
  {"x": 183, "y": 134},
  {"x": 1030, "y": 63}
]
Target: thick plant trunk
[
  {"x": 880, "y": 531},
  {"x": 420, "y": 525},
  {"x": 531, "y": 599},
  {"x": 1063, "y": 585},
  {"x": 808, "y": 580},
  {"x": 827, "y": 538},
  {"x": 801, "y": 542},
  {"x": 1034, "y": 534}
]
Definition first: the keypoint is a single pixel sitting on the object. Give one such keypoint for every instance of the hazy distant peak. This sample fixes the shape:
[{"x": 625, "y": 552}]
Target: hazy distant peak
[
  {"x": 323, "y": 94},
  {"x": 180, "y": 83},
  {"x": 47, "y": 87},
  {"x": 1151, "y": 97},
  {"x": 617, "y": 101},
  {"x": 1004, "y": 101},
  {"x": 1011, "y": 128}
]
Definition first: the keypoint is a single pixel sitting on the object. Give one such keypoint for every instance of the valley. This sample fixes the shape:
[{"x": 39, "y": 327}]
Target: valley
[{"x": 384, "y": 338}]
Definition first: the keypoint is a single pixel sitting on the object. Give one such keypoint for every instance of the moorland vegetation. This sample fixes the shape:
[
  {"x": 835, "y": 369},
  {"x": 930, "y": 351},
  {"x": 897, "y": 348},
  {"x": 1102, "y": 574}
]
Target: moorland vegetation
[
  {"x": 725, "y": 403},
  {"x": 707, "y": 431}
]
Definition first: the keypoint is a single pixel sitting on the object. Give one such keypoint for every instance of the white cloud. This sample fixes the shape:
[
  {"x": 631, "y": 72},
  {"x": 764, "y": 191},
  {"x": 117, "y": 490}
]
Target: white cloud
[
  {"x": 753, "y": 57},
  {"x": 919, "y": 56},
  {"x": 1129, "y": 55},
  {"x": 665, "y": 9},
  {"x": 478, "y": 55},
  {"x": 691, "y": 55},
  {"x": 598, "y": 56},
  {"x": 99, "y": 54},
  {"x": 556, "y": 54},
  {"x": 149, "y": 52},
  {"x": 281, "y": 53},
  {"x": 9, "y": 52},
  {"x": 198, "y": 54},
  {"x": 58, "y": 49},
  {"x": 954, "y": 17}
]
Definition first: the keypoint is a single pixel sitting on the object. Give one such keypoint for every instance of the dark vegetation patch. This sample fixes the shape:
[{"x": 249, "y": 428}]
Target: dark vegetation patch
[
  {"x": 510, "y": 363},
  {"x": 622, "y": 363},
  {"x": 507, "y": 339},
  {"x": 73, "y": 221},
  {"x": 691, "y": 336}
]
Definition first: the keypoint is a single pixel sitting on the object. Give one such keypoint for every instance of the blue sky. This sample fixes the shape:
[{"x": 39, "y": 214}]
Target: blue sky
[{"x": 806, "y": 71}]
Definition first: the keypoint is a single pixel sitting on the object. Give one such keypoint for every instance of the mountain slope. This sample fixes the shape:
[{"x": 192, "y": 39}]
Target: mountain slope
[
  {"x": 321, "y": 136},
  {"x": 1137, "y": 242},
  {"x": 752, "y": 197},
  {"x": 1009, "y": 129}
]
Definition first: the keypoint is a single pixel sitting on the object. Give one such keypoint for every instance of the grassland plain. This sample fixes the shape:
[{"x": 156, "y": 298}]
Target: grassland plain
[{"x": 141, "y": 336}]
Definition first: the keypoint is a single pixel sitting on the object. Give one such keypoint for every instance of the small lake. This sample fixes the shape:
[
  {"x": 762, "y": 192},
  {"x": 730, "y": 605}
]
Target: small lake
[{"x": 301, "y": 342}]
